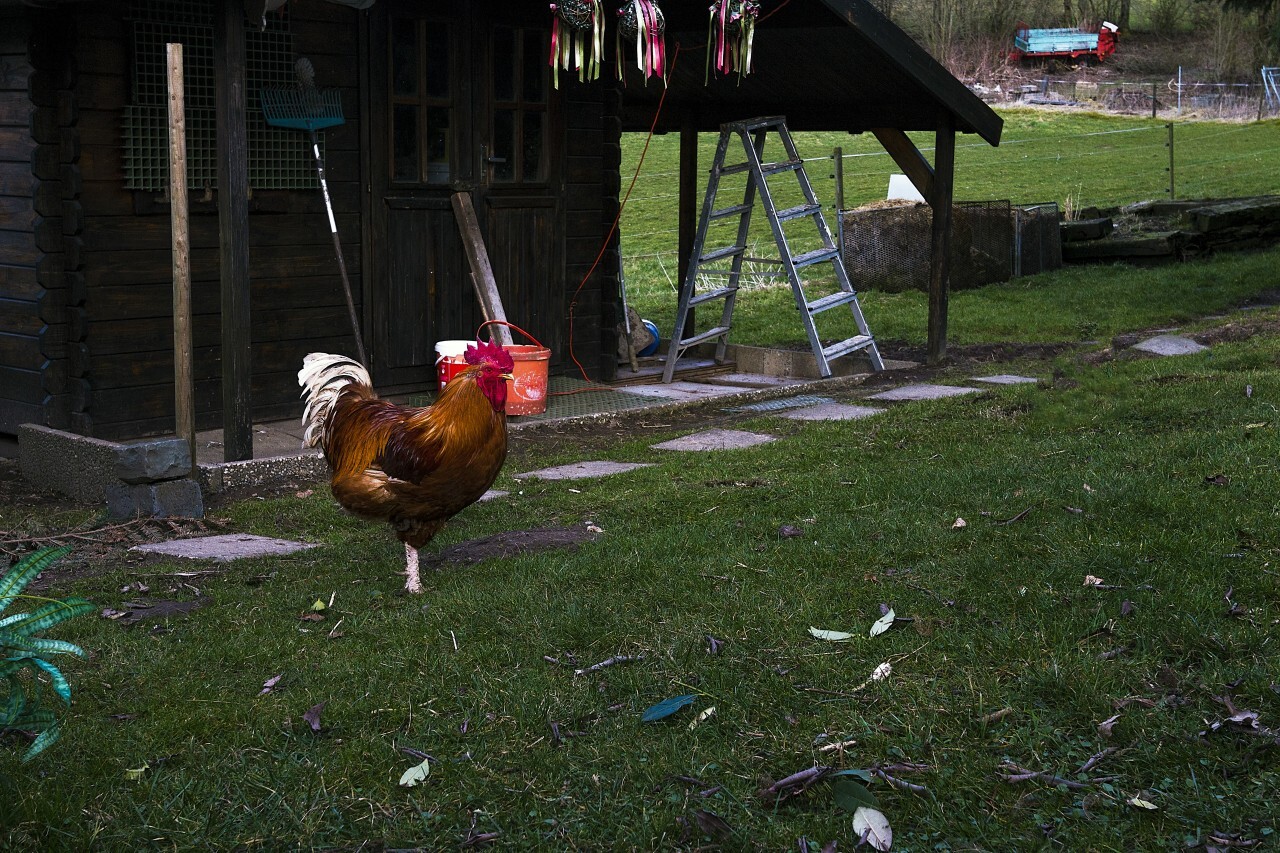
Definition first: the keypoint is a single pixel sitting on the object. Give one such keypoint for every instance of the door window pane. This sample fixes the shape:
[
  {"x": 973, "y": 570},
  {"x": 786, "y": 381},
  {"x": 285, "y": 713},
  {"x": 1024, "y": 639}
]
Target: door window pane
[
  {"x": 437, "y": 59},
  {"x": 438, "y": 148},
  {"x": 404, "y": 136},
  {"x": 535, "y": 67},
  {"x": 504, "y": 145},
  {"x": 404, "y": 57},
  {"x": 533, "y": 146},
  {"x": 504, "y": 64}
]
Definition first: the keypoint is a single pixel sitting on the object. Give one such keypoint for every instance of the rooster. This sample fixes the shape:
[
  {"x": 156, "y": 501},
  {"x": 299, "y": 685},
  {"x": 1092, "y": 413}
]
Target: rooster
[{"x": 413, "y": 467}]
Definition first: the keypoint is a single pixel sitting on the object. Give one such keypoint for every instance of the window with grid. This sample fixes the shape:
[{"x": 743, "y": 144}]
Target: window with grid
[
  {"x": 519, "y": 106},
  {"x": 279, "y": 158}
]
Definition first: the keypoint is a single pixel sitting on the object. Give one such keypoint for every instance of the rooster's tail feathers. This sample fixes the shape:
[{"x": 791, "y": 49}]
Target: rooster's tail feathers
[{"x": 323, "y": 378}]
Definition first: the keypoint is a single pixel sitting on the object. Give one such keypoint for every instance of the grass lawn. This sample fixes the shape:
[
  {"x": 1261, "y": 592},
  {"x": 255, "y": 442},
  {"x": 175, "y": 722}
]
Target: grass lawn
[{"x": 1156, "y": 477}]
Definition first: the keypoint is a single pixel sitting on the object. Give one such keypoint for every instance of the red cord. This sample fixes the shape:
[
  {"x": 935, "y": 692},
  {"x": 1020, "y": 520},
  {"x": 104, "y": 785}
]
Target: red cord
[{"x": 613, "y": 229}]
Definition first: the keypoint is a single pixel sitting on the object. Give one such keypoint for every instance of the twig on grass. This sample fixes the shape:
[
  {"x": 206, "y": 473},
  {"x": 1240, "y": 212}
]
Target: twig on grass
[
  {"x": 1022, "y": 774},
  {"x": 796, "y": 783},
  {"x": 901, "y": 784},
  {"x": 616, "y": 659},
  {"x": 1095, "y": 760},
  {"x": 1017, "y": 517}
]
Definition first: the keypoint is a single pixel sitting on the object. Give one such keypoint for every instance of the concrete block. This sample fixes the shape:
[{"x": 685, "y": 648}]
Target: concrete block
[
  {"x": 169, "y": 499},
  {"x": 153, "y": 460},
  {"x": 74, "y": 465}
]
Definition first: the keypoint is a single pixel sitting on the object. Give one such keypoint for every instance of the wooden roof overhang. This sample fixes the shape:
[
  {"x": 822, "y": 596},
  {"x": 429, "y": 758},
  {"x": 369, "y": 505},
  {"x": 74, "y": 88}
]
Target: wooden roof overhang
[{"x": 826, "y": 65}]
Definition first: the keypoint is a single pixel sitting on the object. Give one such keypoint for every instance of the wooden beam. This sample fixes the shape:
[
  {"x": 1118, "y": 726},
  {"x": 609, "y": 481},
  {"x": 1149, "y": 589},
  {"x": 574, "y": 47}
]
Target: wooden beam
[
  {"x": 183, "y": 359},
  {"x": 233, "y": 228},
  {"x": 908, "y": 157},
  {"x": 464, "y": 213},
  {"x": 944, "y": 157},
  {"x": 688, "y": 204}
]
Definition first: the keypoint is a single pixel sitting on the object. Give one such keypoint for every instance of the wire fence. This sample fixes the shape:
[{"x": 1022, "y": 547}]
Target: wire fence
[
  {"x": 1170, "y": 99},
  {"x": 1108, "y": 167}
]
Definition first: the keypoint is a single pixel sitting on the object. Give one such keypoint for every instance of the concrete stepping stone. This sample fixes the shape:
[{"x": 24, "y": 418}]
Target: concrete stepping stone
[
  {"x": 716, "y": 439},
  {"x": 923, "y": 392},
  {"x": 754, "y": 380},
  {"x": 1006, "y": 379},
  {"x": 1170, "y": 345},
  {"x": 492, "y": 494},
  {"x": 224, "y": 548},
  {"x": 681, "y": 391},
  {"x": 582, "y": 470},
  {"x": 781, "y": 403},
  {"x": 831, "y": 412}
]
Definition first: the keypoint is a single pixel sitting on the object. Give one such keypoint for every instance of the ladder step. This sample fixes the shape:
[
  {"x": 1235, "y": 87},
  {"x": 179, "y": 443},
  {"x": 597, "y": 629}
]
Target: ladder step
[
  {"x": 797, "y": 212},
  {"x": 736, "y": 210},
  {"x": 838, "y": 298},
  {"x": 757, "y": 123},
  {"x": 718, "y": 293},
  {"x": 845, "y": 347},
  {"x": 766, "y": 169},
  {"x": 726, "y": 252},
  {"x": 817, "y": 256},
  {"x": 704, "y": 336}
]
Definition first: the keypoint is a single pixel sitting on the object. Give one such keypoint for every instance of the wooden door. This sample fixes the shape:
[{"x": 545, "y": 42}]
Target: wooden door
[{"x": 466, "y": 106}]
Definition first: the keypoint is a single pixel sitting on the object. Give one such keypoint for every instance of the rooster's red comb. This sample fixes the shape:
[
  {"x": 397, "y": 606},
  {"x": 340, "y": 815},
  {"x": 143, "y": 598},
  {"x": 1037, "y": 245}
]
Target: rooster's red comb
[{"x": 487, "y": 351}]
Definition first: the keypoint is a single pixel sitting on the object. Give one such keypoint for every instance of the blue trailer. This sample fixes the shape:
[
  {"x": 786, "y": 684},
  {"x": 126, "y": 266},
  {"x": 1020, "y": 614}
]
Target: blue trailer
[{"x": 1064, "y": 43}]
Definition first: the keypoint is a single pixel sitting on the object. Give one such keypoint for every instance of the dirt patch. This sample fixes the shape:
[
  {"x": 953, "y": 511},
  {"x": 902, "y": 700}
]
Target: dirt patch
[{"x": 511, "y": 543}]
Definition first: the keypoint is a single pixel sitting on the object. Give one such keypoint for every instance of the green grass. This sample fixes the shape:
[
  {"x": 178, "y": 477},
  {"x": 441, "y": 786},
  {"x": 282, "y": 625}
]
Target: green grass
[
  {"x": 1074, "y": 159},
  {"x": 1110, "y": 463}
]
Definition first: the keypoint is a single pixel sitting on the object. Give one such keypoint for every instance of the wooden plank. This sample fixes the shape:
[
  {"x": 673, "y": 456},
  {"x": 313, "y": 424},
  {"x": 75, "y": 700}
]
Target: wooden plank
[
  {"x": 940, "y": 254},
  {"x": 15, "y": 108},
  {"x": 184, "y": 401},
  {"x": 233, "y": 218},
  {"x": 19, "y": 282},
  {"x": 908, "y": 157},
  {"x": 481, "y": 271},
  {"x": 16, "y": 179}
]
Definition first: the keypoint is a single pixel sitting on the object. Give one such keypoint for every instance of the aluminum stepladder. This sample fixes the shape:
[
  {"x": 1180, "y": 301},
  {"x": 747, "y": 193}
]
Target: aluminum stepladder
[{"x": 754, "y": 133}]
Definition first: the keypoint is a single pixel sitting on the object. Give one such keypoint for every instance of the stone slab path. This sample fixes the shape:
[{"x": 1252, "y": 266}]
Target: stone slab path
[
  {"x": 831, "y": 412},
  {"x": 1006, "y": 379},
  {"x": 226, "y": 547},
  {"x": 716, "y": 439},
  {"x": 582, "y": 470},
  {"x": 1170, "y": 345},
  {"x": 923, "y": 392}
]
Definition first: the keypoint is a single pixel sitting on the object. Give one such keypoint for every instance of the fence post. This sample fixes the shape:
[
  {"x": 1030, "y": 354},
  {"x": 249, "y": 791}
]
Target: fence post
[
  {"x": 837, "y": 154},
  {"x": 1153, "y": 100},
  {"x": 1169, "y": 145}
]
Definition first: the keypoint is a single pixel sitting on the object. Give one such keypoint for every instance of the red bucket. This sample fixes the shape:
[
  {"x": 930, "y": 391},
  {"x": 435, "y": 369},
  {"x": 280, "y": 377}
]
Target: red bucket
[
  {"x": 527, "y": 389},
  {"x": 450, "y": 361}
]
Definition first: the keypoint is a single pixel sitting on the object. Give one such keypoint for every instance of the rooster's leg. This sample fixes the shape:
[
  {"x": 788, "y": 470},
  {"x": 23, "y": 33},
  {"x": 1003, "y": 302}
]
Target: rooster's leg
[{"x": 413, "y": 584}]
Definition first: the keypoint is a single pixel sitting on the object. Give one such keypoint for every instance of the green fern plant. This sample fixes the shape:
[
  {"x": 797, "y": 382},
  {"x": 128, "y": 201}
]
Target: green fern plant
[{"x": 21, "y": 649}]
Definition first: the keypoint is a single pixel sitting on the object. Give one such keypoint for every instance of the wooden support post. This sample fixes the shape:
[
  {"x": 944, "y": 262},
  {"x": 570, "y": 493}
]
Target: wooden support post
[
  {"x": 908, "y": 157},
  {"x": 184, "y": 395},
  {"x": 233, "y": 228},
  {"x": 687, "y": 205},
  {"x": 940, "y": 255},
  {"x": 481, "y": 270}
]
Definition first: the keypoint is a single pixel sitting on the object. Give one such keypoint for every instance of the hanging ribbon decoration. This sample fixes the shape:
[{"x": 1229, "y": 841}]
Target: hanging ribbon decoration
[
  {"x": 729, "y": 35},
  {"x": 577, "y": 38},
  {"x": 643, "y": 21}
]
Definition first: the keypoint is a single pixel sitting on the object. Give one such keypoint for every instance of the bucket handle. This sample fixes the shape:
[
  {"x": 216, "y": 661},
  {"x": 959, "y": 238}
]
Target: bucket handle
[{"x": 509, "y": 326}]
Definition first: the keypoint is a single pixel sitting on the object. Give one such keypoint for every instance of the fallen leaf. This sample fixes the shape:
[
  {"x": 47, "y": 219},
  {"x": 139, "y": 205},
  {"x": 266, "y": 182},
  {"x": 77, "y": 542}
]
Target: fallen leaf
[
  {"x": 706, "y": 714},
  {"x": 1105, "y": 727},
  {"x": 594, "y": 528},
  {"x": 959, "y": 523},
  {"x": 1126, "y": 608},
  {"x": 269, "y": 684},
  {"x": 712, "y": 824},
  {"x": 1089, "y": 489},
  {"x": 416, "y": 775},
  {"x": 319, "y": 605},
  {"x": 1074, "y": 509},
  {"x": 311, "y": 616},
  {"x": 110, "y": 613},
  {"x": 881, "y": 671},
  {"x": 1218, "y": 480},
  {"x": 833, "y": 636},
  {"x": 788, "y": 531},
  {"x": 137, "y": 773},
  {"x": 884, "y": 623},
  {"x": 1141, "y": 803},
  {"x": 666, "y": 708},
  {"x": 313, "y": 716},
  {"x": 305, "y": 493},
  {"x": 1090, "y": 580},
  {"x": 851, "y": 796},
  {"x": 870, "y": 824}
]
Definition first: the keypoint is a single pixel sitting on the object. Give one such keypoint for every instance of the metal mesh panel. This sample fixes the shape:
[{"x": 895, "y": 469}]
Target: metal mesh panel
[
  {"x": 1037, "y": 238},
  {"x": 888, "y": 248},
  {"x": 278, "y": 158}
]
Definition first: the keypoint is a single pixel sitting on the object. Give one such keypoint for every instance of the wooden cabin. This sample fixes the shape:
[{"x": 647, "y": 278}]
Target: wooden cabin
[{"x": 437, "y": 97}]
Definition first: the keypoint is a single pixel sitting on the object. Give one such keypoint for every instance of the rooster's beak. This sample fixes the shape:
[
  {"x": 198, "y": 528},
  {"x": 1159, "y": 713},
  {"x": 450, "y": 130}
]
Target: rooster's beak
[{"x": 508, "y": 376}]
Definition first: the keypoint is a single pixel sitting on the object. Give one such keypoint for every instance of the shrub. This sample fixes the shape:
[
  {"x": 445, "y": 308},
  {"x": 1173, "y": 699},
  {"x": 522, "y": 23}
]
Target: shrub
[{"x": 22, "y": 652}]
